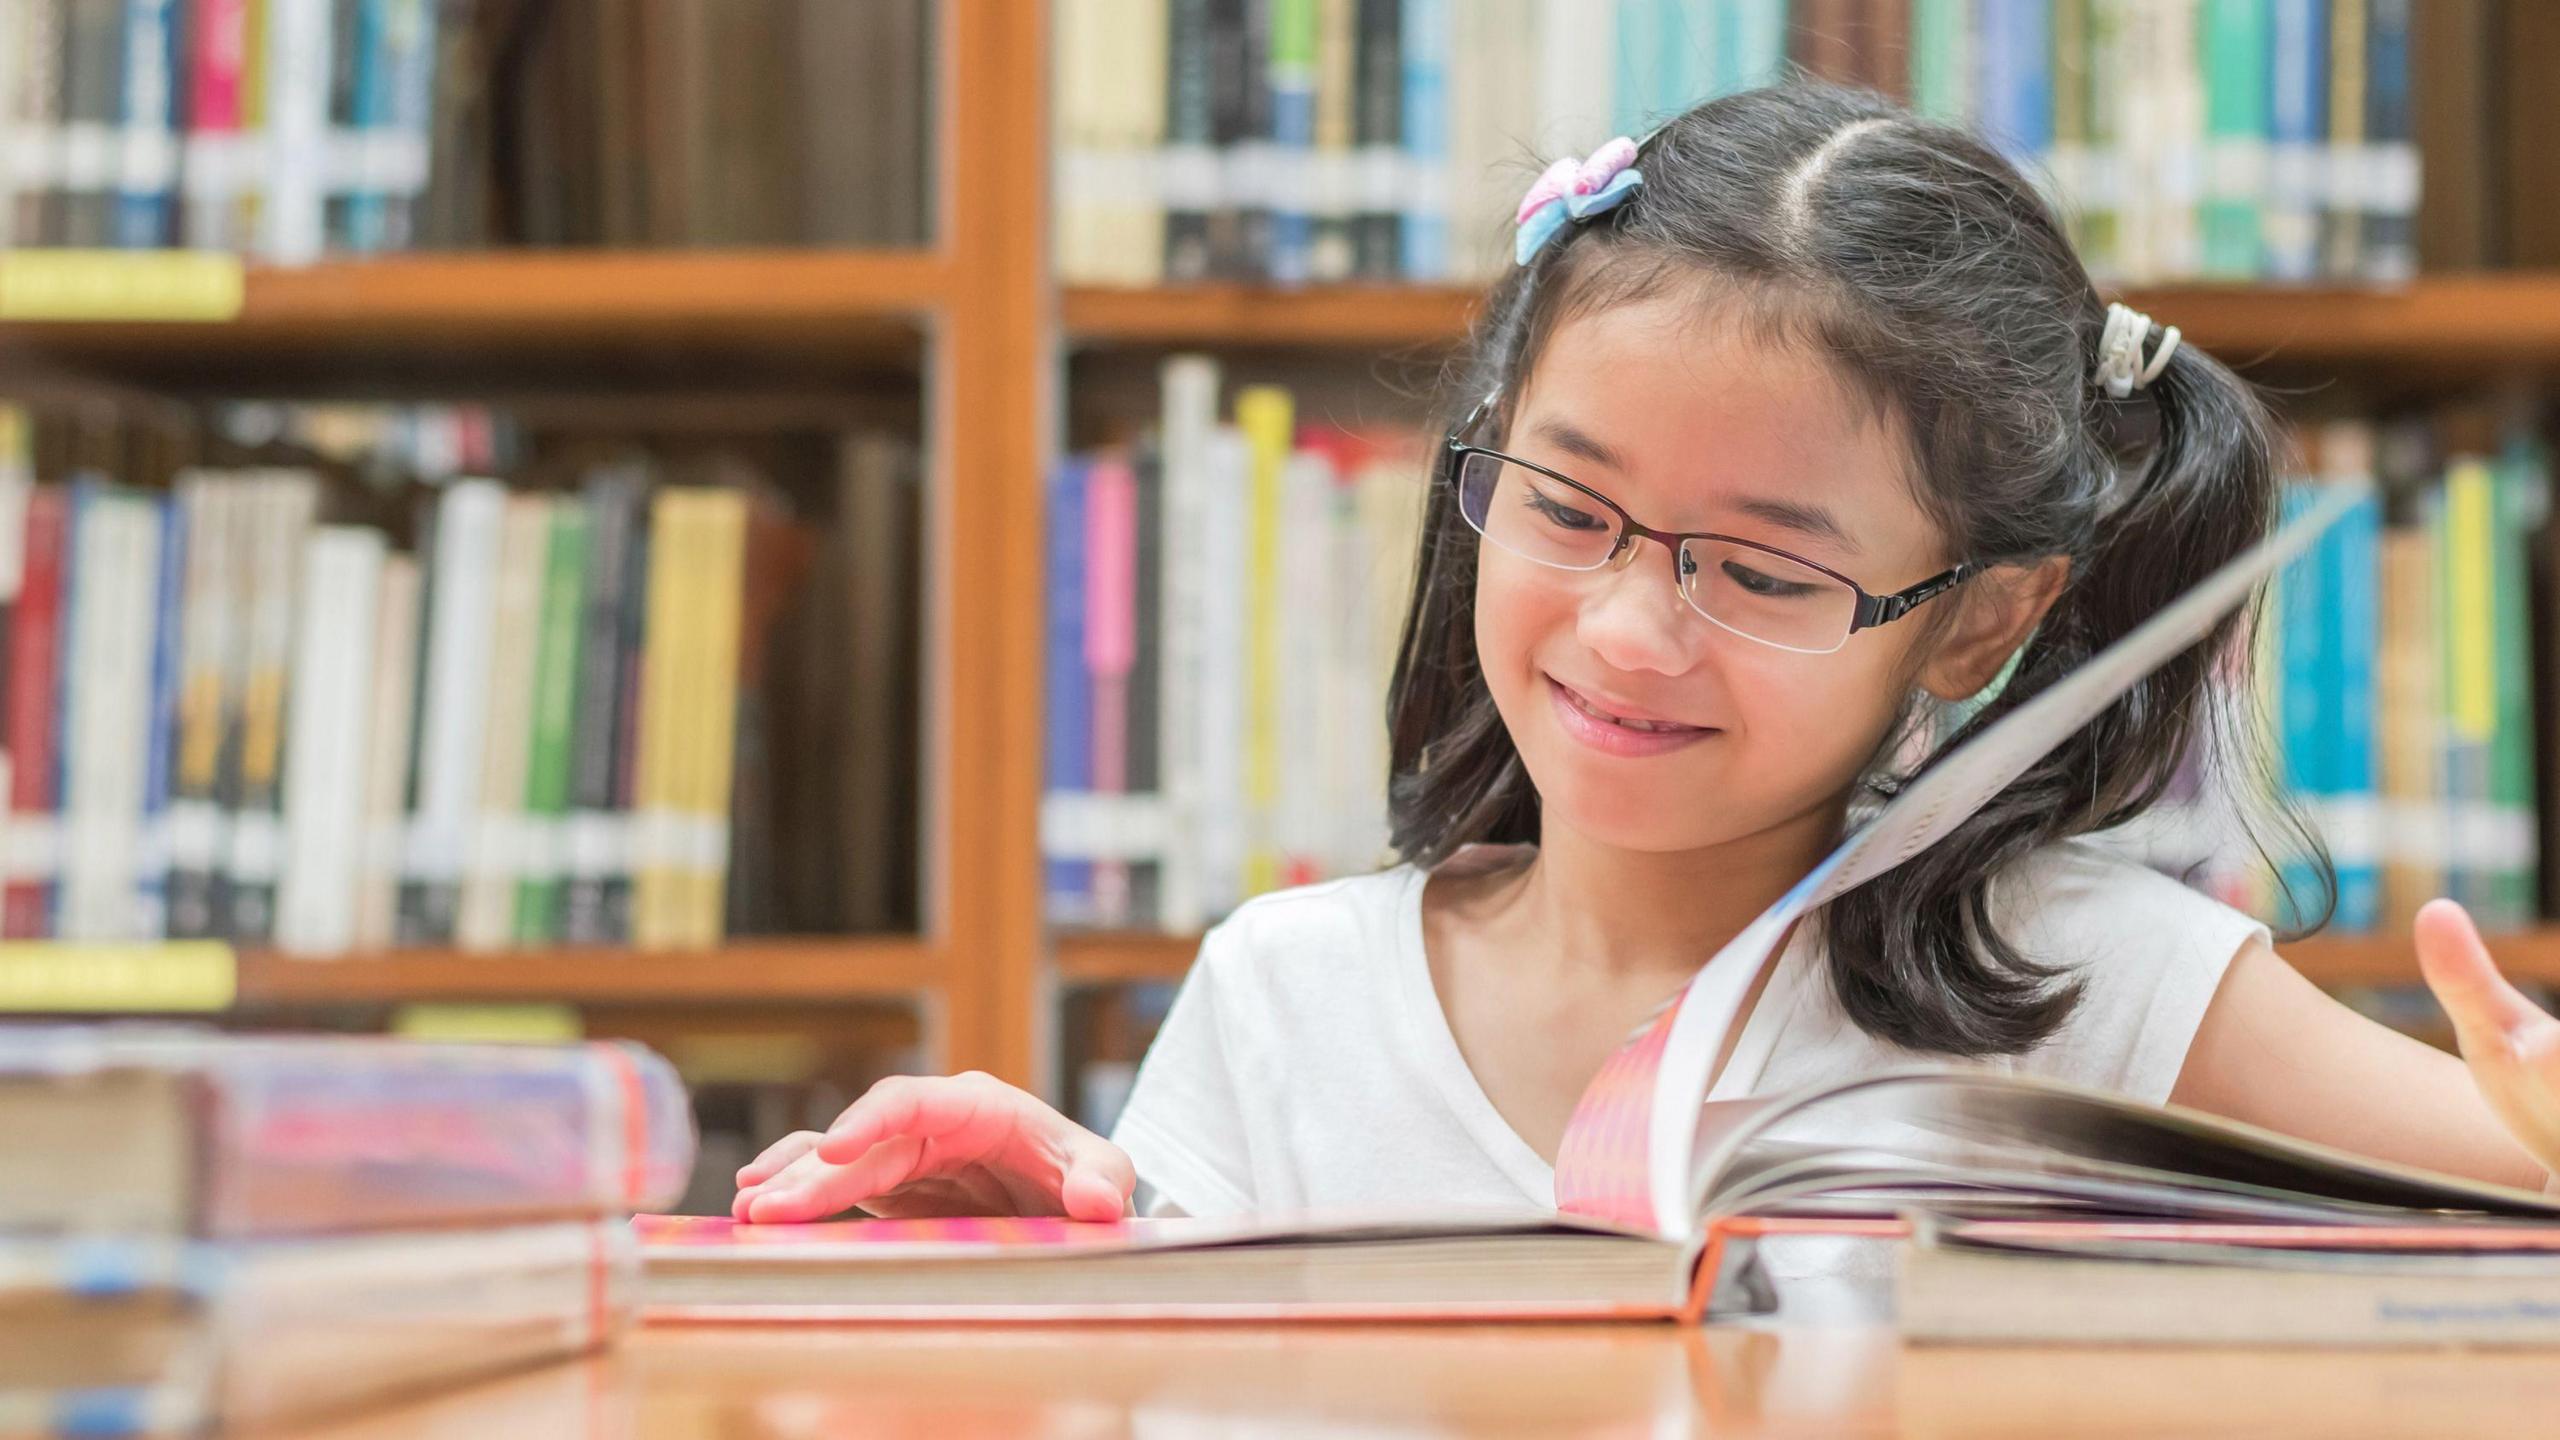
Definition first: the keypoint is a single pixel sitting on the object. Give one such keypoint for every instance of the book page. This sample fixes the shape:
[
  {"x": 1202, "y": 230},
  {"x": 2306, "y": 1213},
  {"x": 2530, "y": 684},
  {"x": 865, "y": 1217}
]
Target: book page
[{"x": 1630, "y": 1152}]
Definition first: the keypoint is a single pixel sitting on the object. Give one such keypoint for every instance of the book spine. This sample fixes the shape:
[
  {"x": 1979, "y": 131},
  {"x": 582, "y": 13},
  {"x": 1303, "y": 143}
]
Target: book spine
[
  {"x": 147, "y": 159},
  {"x": 1425, "y": 233},
  {"x": 17, "y": 486},
  {"x": 654, "y": 899},
  {"x": 393, "y": 716},
  {"x": 2354, "y": 829},
  {"x": 1068, "y": 878},
  {"x": 402, "y": 157},
  {"x": 1330, "y": 178},
  {"x": 327, "y": 735},
  {"x": 496, "y": 864},
  {"x": 1190, "y": 158},
  {"x": 2236, "y": 34},
  {"x": 1221, "y": 819},
  {"x": 2523, "y": 503},
  {"x": 1292, "y": 101},
  {"x": 719, "y": 614},
  {"x": 1109, "y": 650},
  {"x": 452, "y": 711},
  {"x": 1266, "y": 415},
  {"x": 1940, "y": 41},
  {"x": 195, "y": 805},
  {"x": 151, "y": 881},
  {"x": 2471, "y": 657},
  {"x": 2300, "y": 725},
  {"x": 2342, "y": 188},
  {"x": 555, "y": 706},
  {"x": 92, "y": 79},
  {"x": 1189, "y": 417},
  {"x": 1378, "y": 134},
  {"x": 212, "y": 158},
  {"x": 370, "y": 70},
  {"x": 280, "y": 508},
  {"x": 630, "y": 734},
  {"x": 295, "y": 90},
  {"x": 611, "y": 501},
  {"x": 2297, "y": 120},
  {"x": 2388, "y": 198},
  {"x": 107, "y": 701},
  {"x": 35, "y": 833}
]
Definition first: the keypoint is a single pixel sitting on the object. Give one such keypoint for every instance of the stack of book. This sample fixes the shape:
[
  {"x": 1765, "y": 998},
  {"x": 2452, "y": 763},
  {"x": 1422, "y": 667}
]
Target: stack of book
[
  {"x": 1223, "y": 606},
  {"x": 288, "y": 129},
  {"x": 198, "y": 1229},
  {"x": 557, "y": 722},
  {"x": 1332, "y": 140}
]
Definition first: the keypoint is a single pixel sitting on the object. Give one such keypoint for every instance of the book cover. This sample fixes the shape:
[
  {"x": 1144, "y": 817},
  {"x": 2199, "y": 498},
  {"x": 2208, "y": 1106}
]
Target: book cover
[{"x": 327, "y": 736}]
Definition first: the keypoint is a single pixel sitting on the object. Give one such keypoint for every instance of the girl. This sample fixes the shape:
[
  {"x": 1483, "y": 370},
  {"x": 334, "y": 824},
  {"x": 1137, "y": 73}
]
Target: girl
[{"x": 1797, "y": 430}]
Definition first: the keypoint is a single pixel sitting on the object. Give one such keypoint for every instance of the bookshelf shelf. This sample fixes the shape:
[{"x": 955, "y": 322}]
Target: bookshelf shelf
[
  {"x": 821, "y": 969},
  {"x": 2447, "y": 321},
  {"x": 1123, "y": 957},
  {"x": 487, "y": 316}
]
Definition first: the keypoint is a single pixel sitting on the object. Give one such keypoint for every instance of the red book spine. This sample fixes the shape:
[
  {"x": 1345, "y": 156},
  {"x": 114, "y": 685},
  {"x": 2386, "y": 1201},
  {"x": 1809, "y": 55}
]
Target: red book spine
[{"x": 35, "y": 636}]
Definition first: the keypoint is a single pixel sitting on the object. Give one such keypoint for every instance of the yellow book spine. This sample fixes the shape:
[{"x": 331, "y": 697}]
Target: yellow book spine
[
  {"x": 1267, "y": 416},
  {"x": 651, "y": 881},
  {"x": 2471, "y": 516},
  {"x": 721, "y": 571}
]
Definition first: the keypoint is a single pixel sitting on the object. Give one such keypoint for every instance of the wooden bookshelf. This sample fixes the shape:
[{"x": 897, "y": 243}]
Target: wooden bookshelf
[
  {"x": 832, "y": 969},
  {"x": 2450, "y": 322},
  {"x": 1131, "y": 957}
]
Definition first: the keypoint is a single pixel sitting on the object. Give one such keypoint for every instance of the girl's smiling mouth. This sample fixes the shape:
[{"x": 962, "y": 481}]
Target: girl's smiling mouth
[{"x": 1618, "y": 733}]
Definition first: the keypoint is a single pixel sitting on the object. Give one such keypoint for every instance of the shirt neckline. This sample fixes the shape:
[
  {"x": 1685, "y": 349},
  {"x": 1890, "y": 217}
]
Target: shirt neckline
[{"x": 1426, "y": 1024}]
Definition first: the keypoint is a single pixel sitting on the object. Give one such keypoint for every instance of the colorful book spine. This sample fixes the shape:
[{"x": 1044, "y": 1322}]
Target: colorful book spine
[
  {"x": 2352, "y": 820},
  {"x": 280, "y": 508},
  {"x": 1266, "y": 415},
  {"x": 2521, "y": 485},
  {"x": 2297, "y": 125},
  {"x": 1292, "y": 59},
  {"x": 1109, "y": 650},
  {"x": 1425, "y": 233},
  {"x": 147, "y": 159},
  {"x": 1190, "y": 160},
  {"x": 1068, "y": 700},
  {"x": 2469, "y": 570},
  {"x": 497, "y": 860},
  {"x": 2387, "y": 168},
  {"x": 159, "y": 757},
  {"x": 595, "y": 840},
  {"x": 2236, "y": 58},
  {"x": 557, "y": 669},
  {"x": 209, "y": 506},
  {"x": 717, "y": 613},
  {"x": 2301, "y": 734}
]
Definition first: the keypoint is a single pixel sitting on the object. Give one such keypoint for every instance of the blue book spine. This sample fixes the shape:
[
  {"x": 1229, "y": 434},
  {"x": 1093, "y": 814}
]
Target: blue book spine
[
  {"x": 2299, "y": 706},
  {"x": 148, "y": 167},
  {"x": 2355, "y": 803},
  {"x": 2297, "y": 125},
  {"x": 2390, "y": 250},
  {"x": 371, "y": 112},
  {"x": 152, "y": 869},
  {"x": 1426, "y": 139},
  {"x": 1293, "y": 140},
  {"x": 1067, "y": 726}
]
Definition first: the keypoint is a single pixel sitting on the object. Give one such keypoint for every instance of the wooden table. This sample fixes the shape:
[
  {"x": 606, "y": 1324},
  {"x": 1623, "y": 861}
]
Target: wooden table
[{"x": 1631, "y": 1381}]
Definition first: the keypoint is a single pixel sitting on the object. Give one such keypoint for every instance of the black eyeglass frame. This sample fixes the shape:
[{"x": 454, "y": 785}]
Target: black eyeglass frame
[{"x": 1871, "y": 610}]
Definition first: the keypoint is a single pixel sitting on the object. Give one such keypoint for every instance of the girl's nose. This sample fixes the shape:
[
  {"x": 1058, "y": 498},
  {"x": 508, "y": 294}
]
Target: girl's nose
[{"x": 1632, "y": 616}]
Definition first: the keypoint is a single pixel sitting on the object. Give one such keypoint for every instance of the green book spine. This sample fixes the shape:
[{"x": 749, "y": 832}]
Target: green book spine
[
  {"x": 2236, "y": 37},
  {"x": 555, "y": 709},
  {"x": 2101, "y": 160},
  {"x": 2069, "y": 157},
  {"x": 1938, "y": 42}
]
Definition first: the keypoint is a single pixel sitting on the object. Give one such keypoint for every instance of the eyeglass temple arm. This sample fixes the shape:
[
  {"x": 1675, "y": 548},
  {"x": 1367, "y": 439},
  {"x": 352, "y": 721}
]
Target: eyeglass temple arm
[{"x": 1874, "y": 610}]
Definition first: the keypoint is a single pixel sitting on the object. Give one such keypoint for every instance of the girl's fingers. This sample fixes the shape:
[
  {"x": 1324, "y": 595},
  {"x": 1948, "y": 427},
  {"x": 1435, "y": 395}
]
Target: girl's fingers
[
  {"x": 2465, "y": 979},
  {"x": 1097, "y": 1183},
  {"x": 921, "y": 1106},
  {"x": 830, "y": 1189},
  {"x": 776, "y": 1155}
]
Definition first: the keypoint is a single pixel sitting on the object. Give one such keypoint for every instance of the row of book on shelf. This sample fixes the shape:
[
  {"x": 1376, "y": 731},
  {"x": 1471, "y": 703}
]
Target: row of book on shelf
[
  {"x": 556, "y": 721},
  {"x": 288, "y": 129},
  {"x": 1194, "y": 693},
  {"x": 1332, "y": 140},
  {"x": 1223, "y": 603},
  {"x": 203, "y": 1231}
]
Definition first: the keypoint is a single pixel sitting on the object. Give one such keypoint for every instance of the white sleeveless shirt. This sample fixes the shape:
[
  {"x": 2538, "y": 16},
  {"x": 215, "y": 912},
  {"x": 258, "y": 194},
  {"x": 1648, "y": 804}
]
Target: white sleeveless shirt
[{"x": 1307, "y": 1063}]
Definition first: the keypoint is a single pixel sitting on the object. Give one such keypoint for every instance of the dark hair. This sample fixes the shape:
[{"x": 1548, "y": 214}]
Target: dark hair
[{"x": 1938, "y": 284}]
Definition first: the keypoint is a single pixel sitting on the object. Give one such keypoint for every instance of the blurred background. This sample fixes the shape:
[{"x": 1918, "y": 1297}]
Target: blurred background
[{"x": 834, "y": 537}]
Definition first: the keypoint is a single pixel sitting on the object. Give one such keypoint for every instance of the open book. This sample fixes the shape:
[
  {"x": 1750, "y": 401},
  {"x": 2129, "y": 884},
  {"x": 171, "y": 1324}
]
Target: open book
[{"x": 1648, "y": 1166}]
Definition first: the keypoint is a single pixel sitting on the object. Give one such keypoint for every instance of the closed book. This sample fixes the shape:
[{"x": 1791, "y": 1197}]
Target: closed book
[
  {"x": 212, "y": 511},
  {"x": 92, "y": 87},
  {"x": 280, "y": 508},
  {"x": 717, "y": 608},
  {"x": 2297, "y": 127},
  {"x": 1190, "y": 160},
  {"x": 160, "y": 727},
  {"x": 214, "y": 156},
  {"x": 1067, "y": 699},
  {"x": 556, "y": 673},
  {"x": 168, "y": 1130},
  {"x": 2344, "y": 165},
  {"x": 129, "y": 1336},
  {"x": 294, "y": 96},
  {"x": 496, "y": 866},
  {"x": 1377, "y": 127},
  {"x": 147, "y": 142},
  {"x": 35, "y": 641},
  {"x": 2388, "y": 199},
  {"x": 2237, "y": 34},
  {"x": 389, "y": 745},
  {"x": 106, "y": 700},
  {"x": 1265, "y": 415},
  {"x": 328, "y": 736},
  {"x": 461, "y": 603},
  {"x": 593, "y": 837},
  {"x": 656, "y": 882}
]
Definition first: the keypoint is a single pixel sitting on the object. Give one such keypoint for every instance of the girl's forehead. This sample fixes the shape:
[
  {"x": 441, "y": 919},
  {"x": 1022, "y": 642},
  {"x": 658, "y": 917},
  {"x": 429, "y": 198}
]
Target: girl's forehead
[{"x": 1687, "y": 407}]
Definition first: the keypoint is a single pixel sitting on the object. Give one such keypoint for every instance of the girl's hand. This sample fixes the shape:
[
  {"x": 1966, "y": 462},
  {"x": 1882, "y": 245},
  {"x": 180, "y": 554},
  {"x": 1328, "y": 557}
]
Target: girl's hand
[
  {"x": 2512, "y": 1047},
  {"x": 939, "y": 1145}
]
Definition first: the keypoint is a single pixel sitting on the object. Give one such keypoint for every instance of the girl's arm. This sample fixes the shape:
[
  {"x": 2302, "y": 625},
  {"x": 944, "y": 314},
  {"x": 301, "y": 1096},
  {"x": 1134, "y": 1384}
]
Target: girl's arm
[{"x": 2275, "y": 1050}]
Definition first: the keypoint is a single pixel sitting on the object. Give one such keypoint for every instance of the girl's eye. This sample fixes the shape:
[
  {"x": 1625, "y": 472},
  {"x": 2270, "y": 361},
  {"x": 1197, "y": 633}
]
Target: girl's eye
[
  {"x": 1561, "y": 515},
  {"x": 1766, "y": 585}
]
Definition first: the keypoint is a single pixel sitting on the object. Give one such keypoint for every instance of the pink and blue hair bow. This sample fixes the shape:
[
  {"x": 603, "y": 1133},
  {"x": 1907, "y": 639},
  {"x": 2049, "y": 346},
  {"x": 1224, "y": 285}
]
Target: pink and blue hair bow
[{"x": 1574, "y": 190}]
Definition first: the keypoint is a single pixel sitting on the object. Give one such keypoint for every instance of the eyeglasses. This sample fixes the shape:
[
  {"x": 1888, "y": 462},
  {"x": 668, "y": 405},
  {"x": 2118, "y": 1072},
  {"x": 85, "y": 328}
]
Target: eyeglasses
[{"x": 1756, "y": 591}]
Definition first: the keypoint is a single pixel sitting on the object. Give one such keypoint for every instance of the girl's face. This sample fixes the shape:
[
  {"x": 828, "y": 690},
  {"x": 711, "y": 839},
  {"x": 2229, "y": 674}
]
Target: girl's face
[{"x": 1690, "y": 427}]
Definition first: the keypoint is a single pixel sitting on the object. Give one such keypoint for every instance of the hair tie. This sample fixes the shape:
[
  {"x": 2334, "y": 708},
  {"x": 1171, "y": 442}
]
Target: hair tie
[
  {"x": 1574, "y": 190},
  {"x": 2120, "y": 365}
]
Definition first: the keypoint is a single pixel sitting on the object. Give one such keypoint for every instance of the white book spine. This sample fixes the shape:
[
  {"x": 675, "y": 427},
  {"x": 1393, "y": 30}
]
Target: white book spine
[
  {"x": 1305, "y": 732},
  {"x": 1221, "y": 820},
  {"x": 326, "y": 735},
  {"x": 297, "y": 98},
  {"x": 499, "y": 847},
  {"x": 1190, "y": 417},
  {"x": 386, "y": 765},
  {"x": 117, "y": 571},
  {"x": 462, "y": 599}
]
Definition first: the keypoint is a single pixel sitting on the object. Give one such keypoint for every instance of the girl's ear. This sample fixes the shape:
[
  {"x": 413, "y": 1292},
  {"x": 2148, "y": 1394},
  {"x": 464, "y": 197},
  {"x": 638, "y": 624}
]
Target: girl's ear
[{"x": 2000, "y": 607}]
